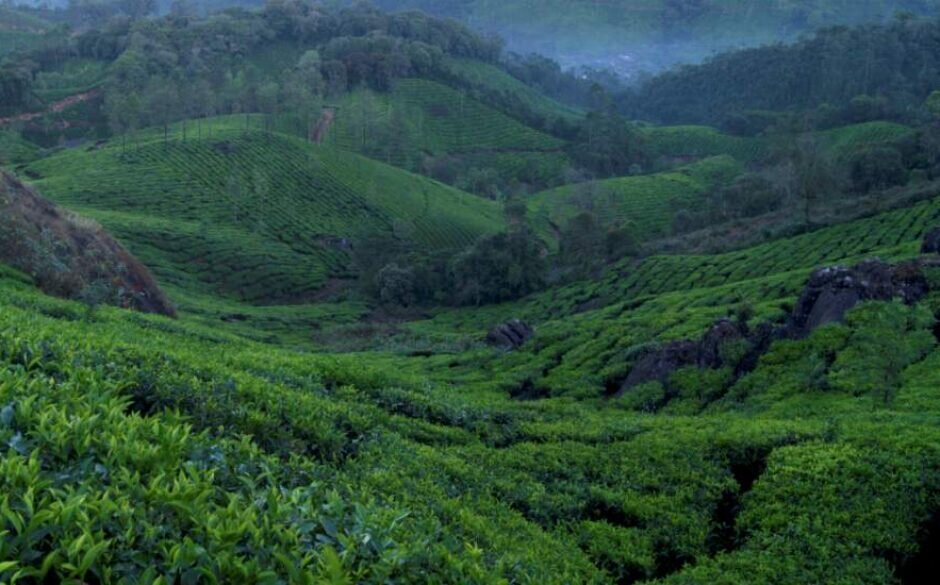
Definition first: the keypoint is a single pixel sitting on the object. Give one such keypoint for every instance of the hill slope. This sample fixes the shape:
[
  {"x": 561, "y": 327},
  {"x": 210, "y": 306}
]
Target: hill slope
[
  {"x": 251, "y": 215},
  {"x": 69, "y": 256},
  {"x": 426, "y": 126},
  {"x": 733, "y": 487},
  {"x": 647, "y": 202}
]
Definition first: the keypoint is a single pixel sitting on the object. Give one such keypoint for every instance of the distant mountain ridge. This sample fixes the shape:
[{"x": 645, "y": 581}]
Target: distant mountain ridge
[{"x": 637, "y": 35}]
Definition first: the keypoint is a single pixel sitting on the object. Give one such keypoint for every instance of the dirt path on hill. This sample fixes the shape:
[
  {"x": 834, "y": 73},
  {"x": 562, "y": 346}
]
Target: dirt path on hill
[
  {"x": 53, "y": 108},
  {"x": 318, "y": 134}
]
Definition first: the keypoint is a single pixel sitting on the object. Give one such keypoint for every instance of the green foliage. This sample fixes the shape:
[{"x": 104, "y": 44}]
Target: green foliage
[
  {"x": 608, "y": 145},
  {"x": 428, "y": 127},
  {"x": 252, "y": 215},
  {"x": 878, "y": 168},
  {"x": 219, "y": 448},
  {"x": 812, "y": 76},
  {"x": 886, "y": 339},
  {"x": 695, "y": 29},
  {"x": 684, "y": 142},
  {"x": 499, "y": 268},
  {"x": 644, "y": 203},
  {"x": 15, "y": 150}
]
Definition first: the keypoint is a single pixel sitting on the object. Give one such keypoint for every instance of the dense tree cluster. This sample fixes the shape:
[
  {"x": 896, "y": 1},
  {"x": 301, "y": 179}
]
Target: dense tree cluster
[
  {"x": 607, "y": 144},
  {"x": 839, "y": 76},
  {"x": 503, "y": 266},
  {"x": 208, "y": 65}
]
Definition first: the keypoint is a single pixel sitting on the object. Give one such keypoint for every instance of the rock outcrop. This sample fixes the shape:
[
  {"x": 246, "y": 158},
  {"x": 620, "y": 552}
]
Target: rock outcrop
[
  {"x": 69, "y": 256},
  {"x": 707, "y": 353},
  {"x": 832, "y": 291},
  {"x": 657, "y": 365},
  {"x": 510, "y": 335}
]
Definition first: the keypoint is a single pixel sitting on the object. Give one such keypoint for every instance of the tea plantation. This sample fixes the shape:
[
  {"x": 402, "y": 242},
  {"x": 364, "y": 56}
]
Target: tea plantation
[
  {"x": 421, "y": 118},
  {"x": 123, "y": 431},
  {"x": 252, "y": 215},
  {"x": 647, "y": 202}
]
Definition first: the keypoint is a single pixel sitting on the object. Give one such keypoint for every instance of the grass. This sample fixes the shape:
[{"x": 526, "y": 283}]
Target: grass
[
  {"x": 250, "y": 215},
  {"x": 647, "y": 202}
]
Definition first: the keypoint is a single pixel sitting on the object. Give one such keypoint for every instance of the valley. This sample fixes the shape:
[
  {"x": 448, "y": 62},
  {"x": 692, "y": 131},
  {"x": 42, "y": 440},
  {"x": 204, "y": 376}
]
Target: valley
[{"x": 317, "y": 294}]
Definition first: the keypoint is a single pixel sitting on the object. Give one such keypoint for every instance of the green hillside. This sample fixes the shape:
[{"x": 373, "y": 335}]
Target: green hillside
[
  {"x": 431, "y": 327},
  {"x": 588, "y": 331},
  {"x": 843, "y": 142},
  {"x": 693, "y": 142},
  {"x": 253, "y": 215},
  {"x": 420, "y": 119},
  {"x": 647, "y": 202},
  {"x": 171, "y": 426},
  {"x": 14, "y": 149}
]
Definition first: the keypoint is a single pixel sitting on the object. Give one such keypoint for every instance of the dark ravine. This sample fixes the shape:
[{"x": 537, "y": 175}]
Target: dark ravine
[
  {"x": 923, "y": 567},
  {"x": 746, "y": 470},
  {"x": 71, "y": 257}
]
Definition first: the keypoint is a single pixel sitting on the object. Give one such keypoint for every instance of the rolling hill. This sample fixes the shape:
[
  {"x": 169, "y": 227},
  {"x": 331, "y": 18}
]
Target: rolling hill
[
  {"x": 647, "y": 203},
  {"x": 766, "y": 415},
  {"x": 250, "y": 215},
  {"x": 730, "y": 479},
  {"x": 420, "y": 121}
]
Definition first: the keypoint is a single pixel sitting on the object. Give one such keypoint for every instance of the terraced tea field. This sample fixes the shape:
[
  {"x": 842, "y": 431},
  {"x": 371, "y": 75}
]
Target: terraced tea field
[
  {"x": 694, "y": 142},
  {"x": 169, "y": 426},
  {"x": 841, "y": 143},
  {"x": 14, "y": 150},
  {"x": 252, "y": 215},
  {"x": 421, "y": 118},
  {"x": 648, "y": 203},
  {"x": 495, "y": 80},
  {"x": 786, "y": 262}
]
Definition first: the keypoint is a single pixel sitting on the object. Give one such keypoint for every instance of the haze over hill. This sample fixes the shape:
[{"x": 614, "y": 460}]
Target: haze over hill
[
  {"x": 627, "y": 36},
  {"x": 631, "y": 36}
]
